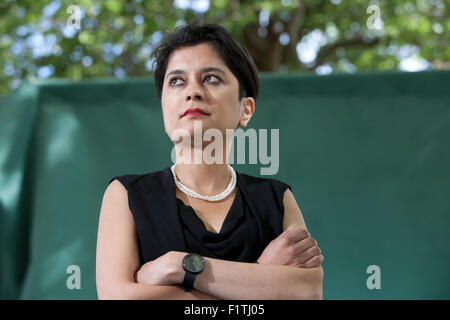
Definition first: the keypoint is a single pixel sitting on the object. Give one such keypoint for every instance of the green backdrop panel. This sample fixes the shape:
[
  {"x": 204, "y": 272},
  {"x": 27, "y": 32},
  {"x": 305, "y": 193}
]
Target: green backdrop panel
[{"x": 367, "y": 157}]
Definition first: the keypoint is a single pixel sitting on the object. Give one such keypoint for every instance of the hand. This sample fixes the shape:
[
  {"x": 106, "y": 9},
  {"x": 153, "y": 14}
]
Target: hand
[
  {"x": 165, "y": 270},
  {"x": 294, "y": 247}
]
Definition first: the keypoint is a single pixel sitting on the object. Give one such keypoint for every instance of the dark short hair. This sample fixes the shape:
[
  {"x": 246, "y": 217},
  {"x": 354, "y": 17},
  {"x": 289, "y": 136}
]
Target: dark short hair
[{"x": 232, "y": 53}]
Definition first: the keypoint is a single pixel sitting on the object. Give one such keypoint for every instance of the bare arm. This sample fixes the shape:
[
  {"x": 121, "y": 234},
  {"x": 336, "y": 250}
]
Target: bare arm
[
  {"x": 117, "y": 253},
  {"x": 236, "y": 280}
]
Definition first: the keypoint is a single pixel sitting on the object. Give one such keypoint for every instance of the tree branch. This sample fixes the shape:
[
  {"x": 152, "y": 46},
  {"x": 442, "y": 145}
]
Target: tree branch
[
  {"x": 293, "y": 27},
  {"x": 327, "y": 52},
  {"x": 254, "y": 43}
]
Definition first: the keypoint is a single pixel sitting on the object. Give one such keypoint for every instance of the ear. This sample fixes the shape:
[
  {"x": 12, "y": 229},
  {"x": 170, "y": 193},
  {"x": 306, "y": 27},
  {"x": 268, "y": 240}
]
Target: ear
[{"x": 248, "y": 108}]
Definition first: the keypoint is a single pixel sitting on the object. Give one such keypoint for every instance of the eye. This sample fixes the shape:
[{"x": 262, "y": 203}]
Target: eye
[
  {"x": 172, "y": 80},
  {"x": 210, "y": 75}
]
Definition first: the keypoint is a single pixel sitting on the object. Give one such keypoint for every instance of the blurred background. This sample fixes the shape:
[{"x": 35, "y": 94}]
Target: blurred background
[
  {"x": 363, "y": 109},
  {"x": 115, "y": 37}
]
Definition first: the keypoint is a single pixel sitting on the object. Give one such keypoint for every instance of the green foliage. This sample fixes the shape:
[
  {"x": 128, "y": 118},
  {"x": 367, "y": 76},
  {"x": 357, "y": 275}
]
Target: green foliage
[{"x": 117, "y": 36}]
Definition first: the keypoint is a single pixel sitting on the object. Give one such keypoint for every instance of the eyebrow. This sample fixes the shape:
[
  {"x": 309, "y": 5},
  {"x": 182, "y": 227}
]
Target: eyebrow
[{"x": 204, "y": 70}]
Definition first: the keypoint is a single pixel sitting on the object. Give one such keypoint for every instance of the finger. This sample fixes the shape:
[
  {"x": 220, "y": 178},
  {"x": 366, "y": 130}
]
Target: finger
[
  {"x": 304, "y": 245},
  {"x": 314, "y": 262},
  {"x": 296, "y": 234},
  {"x": 308, "y": 254}
]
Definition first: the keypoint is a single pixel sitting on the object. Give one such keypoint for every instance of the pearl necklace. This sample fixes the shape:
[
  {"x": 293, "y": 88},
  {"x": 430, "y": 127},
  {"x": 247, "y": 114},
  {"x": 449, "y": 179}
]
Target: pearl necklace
[{"x": 196, "y": 195}]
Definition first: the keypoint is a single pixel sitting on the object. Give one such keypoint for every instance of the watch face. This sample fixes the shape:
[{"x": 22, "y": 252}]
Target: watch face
[{"x": 193, "y": 263}]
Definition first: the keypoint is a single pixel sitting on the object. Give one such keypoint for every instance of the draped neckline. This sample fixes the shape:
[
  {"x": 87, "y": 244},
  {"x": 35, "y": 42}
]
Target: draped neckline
[
  {"x": 230, "y": 216},
  {"x": 225, "y": 222}
]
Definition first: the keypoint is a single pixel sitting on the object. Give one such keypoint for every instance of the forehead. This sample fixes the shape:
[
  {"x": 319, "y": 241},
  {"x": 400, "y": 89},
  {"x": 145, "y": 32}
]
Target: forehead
[{"x": 194, "y": 57}]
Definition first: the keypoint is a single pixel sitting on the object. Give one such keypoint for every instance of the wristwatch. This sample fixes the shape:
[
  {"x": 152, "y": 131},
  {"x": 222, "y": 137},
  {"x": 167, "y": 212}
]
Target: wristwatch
[{"x": 193, "y": 264}]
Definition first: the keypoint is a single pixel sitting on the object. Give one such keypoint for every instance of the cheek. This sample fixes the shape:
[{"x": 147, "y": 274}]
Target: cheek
[
  {"x": 167, "y": 105},
  {"x": 167, "y": 118},
  {"x": 170, "y": 105}
]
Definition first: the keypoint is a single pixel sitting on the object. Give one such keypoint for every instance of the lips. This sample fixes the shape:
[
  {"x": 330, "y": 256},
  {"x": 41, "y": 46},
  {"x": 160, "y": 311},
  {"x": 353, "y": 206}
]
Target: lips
[{"x": 194, "y": 112}]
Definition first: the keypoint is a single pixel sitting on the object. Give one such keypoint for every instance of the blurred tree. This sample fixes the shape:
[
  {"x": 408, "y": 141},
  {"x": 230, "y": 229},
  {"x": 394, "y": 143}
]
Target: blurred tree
[{"x": 116, "y": 37}]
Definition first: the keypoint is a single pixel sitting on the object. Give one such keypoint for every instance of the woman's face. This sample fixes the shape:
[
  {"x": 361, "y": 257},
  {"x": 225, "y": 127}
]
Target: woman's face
[{"x": 196, "y": 77}]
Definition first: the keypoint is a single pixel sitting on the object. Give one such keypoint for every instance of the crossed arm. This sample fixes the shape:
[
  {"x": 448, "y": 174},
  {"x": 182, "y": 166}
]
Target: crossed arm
[{"x": 289, "y": 267}]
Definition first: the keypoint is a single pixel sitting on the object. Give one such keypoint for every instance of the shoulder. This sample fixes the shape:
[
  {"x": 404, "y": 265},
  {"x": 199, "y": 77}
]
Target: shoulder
[
  {"x": 251, "y": 181},
  {"x": 265, "y": 186},
  {"x": 129, "y": 181},
  {"x": 292, "y": 215},
  {"x": 259, "y": 183}
]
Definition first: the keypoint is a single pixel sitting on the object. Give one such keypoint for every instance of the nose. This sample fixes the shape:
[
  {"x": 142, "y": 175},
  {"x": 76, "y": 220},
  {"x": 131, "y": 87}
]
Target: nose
[{"x": 194, "y": 93}]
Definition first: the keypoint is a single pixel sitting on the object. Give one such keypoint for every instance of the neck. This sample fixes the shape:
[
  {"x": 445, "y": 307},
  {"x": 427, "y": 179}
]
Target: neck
[
  {"x": 203, "y": 178},
  {"x": 206, "y": 179}
]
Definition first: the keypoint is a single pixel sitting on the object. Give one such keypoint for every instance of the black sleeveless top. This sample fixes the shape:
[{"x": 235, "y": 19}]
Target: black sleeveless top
[{"x": 164, "y": 223}]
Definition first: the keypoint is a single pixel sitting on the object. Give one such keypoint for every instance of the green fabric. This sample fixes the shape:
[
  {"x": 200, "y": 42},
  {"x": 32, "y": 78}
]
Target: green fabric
[{"x": 366, "y": 155}]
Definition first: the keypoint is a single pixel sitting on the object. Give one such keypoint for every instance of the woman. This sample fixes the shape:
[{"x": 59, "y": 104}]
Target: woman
[{"x": 201, "y": 230}]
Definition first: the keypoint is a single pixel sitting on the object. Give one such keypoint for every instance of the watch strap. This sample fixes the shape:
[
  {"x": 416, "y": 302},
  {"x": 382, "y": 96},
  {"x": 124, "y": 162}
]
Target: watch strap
[{"x": 188, "y": 281}]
